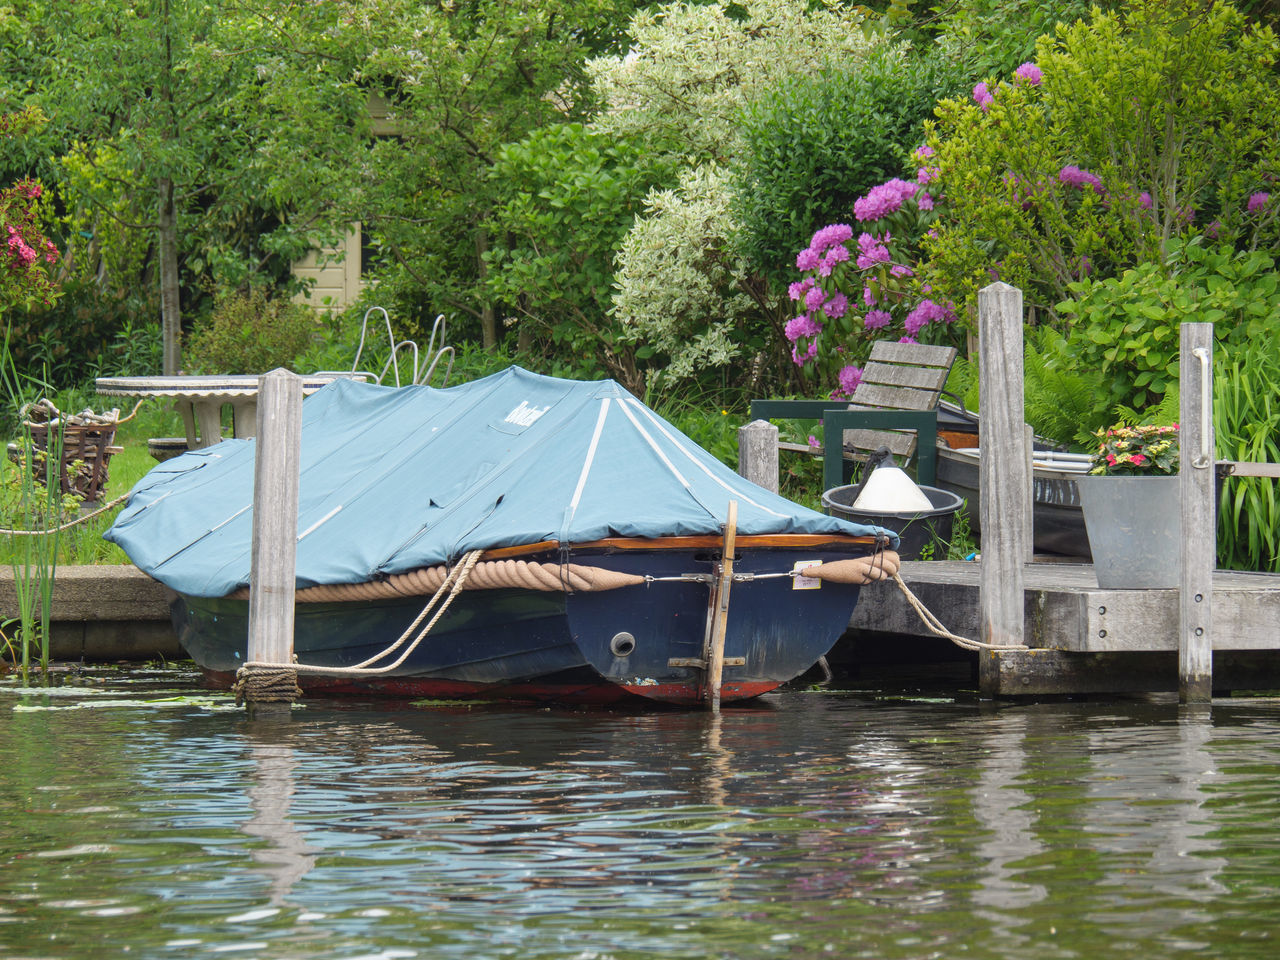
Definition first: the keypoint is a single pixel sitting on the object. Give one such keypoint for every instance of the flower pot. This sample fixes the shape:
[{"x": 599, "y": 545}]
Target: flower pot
[
  {"x": 1134, "y": 526},
  {"x": 922, "y": 536}
]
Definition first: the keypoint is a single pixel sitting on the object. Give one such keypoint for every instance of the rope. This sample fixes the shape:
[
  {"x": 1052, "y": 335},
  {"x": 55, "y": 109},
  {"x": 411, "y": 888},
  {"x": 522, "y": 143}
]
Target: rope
[
  {"x": 457, "y": 577},
  {"x": 267, "y": 686},
  {"x": 70, "y": 523},
  {"x": 935, "y": 625}
]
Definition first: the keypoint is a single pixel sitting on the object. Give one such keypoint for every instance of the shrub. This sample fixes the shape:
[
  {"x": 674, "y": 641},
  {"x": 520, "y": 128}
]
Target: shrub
[
  {"x": 251, "y": 333},
  {"x": 1128, "y": 326},
  {"x": 822, "y": 139},
  {"x": 1138, "y": 129}
]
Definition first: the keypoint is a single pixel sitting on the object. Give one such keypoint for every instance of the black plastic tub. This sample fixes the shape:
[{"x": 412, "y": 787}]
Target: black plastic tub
[{"x": 924, "y": 536}]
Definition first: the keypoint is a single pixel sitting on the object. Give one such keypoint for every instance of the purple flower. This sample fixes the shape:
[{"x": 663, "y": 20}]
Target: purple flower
[
  {"x": 837, "y": 254},
  {"x": 829, "y": 235},
  {"x": 800, "y": 359},
  {"x": 814, "y": 441},
  {"x": 901, "y": 270},
  {"x": 876, "y": 319},
  {"x": 982, "y": 97},
  {"x": 1144, "y": 200},
  {"x": 926, "y": 175},
  {"x": 1074, "y": 176},
  {"x": 925, "y": 312},
  {"x": 1212, "y": 230},
  {"x": 806, "y": 259},
  {"x": 802, "y": 326},
  {"x": 922, "y": 152},
  {"x": 1030, "y": 73},
  {"x": 798, "y": 289},
  {"x": 1257, "y": 201},
  {"x": 835, "y": 307},
  {"x": 814, "y": 298},
  {"x": 868, "y": 296},
  {"x": 883, "y": 199},
  {"x": 924, "y": 201},
  {"x": 871, "y": 251},
  {"x": 850, "y": 377}
]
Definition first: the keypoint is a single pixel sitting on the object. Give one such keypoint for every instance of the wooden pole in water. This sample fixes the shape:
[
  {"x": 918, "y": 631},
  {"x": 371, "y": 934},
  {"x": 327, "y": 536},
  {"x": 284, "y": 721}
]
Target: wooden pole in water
[
  {"x": 1197, "y": 489},
  {"x": 1004, "y": 478},
  {"x": 269, "y": 692},
  {"x": 758, "y": 454},
  {"x": 720, "y": 622}
]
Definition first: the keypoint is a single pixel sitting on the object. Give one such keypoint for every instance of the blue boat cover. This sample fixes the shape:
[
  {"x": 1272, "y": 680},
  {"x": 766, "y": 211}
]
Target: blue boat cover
[{"x": 393, "y": 479}]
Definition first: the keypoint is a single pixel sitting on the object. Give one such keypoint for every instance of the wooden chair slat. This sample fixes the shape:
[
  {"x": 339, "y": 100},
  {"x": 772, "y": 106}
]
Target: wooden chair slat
[
  {"x": 901, "y": 445},
  {"x": 932, "y": 379},
  {"x": 915, "y": 354},
  {"x": 876, "y": 396}
]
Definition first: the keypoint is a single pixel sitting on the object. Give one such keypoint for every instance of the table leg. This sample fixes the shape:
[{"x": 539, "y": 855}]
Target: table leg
[
  {"x": 209, "y": 421},
  {"x": 244, "y": 416},
  {"x": 188, "y": 422}
]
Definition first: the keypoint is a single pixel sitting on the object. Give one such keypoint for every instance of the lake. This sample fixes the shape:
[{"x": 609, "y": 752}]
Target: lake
[{"x": 142, "y": 815}]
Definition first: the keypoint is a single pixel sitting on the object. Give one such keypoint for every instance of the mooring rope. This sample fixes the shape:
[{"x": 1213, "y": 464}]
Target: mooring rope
[
  {"x": 453, "y": 583},
  {"x": 935, "y": 625},
  {"x": 267, "y": 686},
  {"x": 69, "y": 524}
]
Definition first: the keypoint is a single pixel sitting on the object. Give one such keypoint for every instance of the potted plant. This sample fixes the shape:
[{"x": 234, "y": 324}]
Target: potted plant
[{"x": 1130, "y": 500}]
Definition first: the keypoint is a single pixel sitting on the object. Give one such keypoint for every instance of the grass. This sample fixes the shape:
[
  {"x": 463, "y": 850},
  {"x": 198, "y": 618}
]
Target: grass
[{"x": 83, "y": 544}]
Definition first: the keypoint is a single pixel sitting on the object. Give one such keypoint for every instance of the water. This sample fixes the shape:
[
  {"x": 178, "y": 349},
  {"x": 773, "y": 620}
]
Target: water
[{"x": 810, "y": 824}]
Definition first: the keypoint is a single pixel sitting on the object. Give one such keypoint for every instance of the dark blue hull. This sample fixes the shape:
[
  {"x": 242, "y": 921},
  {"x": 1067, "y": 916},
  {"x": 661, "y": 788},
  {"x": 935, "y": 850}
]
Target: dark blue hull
[{"x": 592, "y": 646}]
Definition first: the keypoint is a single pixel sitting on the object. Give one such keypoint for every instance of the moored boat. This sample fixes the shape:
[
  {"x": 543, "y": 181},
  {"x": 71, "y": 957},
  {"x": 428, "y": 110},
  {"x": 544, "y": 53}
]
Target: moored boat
[{"x": 592, "y": 547}]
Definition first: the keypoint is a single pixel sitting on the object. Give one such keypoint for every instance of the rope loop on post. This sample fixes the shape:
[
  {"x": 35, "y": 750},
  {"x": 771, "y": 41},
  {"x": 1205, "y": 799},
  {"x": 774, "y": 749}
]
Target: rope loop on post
[{"x": 258, "y": 683}]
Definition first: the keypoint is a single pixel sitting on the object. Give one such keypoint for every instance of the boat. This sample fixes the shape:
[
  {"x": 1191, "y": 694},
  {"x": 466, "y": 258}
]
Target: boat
[
  {"x": 601, "y": 552},
  {"x": 1057, "y": 521}
]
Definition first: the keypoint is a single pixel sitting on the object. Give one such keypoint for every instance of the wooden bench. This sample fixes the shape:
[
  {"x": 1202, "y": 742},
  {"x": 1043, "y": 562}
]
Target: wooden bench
[{"x": 895, "y": 405}]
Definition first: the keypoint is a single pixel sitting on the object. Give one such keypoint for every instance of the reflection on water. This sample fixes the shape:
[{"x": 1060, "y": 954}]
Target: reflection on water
[{"x": 810, "y": 824}]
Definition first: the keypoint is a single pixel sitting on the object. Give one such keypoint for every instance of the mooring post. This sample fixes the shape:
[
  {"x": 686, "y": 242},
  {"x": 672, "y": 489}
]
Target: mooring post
[
  {"x": 269, "y": 691},
  {"x": 758, "y": 454},
  {"x": 1004, "y": 477},
  {"x": 1196, "y": 485}
]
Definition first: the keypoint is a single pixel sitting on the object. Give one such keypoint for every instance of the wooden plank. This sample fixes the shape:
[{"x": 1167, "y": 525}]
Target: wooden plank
[
  {"x": 1004, "y": 481},
  {"x": 874, "y": 395},
  {"x": 1196, "y": 491},
  {"x": 920, "y": 354},
  {"x": 901, "y": 445},
  {"x": 932, "y": 379},
  {"x": 1240, "y": 469},
  {"x": 1146, "y": 620}
]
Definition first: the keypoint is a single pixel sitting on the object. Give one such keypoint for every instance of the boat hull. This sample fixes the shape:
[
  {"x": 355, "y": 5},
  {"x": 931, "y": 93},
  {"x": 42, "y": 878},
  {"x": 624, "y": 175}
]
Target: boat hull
[{"x": 580, "y": 647}]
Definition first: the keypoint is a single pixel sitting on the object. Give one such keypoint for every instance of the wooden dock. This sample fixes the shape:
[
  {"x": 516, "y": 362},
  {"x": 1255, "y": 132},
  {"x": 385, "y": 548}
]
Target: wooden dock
[{"x": 1081, "y": 638}]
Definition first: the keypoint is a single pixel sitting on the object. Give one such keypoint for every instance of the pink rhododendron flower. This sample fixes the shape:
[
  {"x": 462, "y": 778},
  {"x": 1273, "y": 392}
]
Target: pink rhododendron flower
[
  {"x": 1074, "y": 176},
  {"x": 877, "y": 319},
  {"x": 871, "y": 251},
  {"x": 849, "y": 378},
  {"x": 1257, "y": 201},
  {"x": 883, "y": 199},
  {"x": 832, "y": 234},
  {"x": 868, "y": 296},
  {"x": 1030, "y": 73},
  {"x": 800, "y": 359},
  {"x": 924, "y": 201},
  {"x": 1144, "y": 200},
  {"x": 798, "y": 289},
  {"x": 814, "y": 298},
  {"x": 982, "y": 97},
  {"x": 807, "y": 259},
  {"x": 836, "y": 307},
  {"x": 802, "y": 326}
]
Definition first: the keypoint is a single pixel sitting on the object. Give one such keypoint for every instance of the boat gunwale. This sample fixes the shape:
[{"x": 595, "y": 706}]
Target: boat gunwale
[{"x": 798, "y": 541}]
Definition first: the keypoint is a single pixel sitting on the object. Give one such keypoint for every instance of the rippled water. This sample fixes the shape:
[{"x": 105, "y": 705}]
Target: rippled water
[{"x": 810, "y": 824}]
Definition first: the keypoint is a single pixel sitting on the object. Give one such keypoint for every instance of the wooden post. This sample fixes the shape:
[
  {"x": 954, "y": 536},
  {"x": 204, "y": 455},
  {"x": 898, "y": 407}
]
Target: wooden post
[
  {"x": 720, "y": 617},
  {"x": 275, "y": 532},
  {"x": 1004, "y": 479},
  {"x": 758, "y": 454},
  {"x": 1199, "y": 525}
]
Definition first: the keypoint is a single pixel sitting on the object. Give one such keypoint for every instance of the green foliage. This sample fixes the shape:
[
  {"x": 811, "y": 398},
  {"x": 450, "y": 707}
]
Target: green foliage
[
  {"x": 820, "y": 140},
  {"x": 565, "y": 197},
  {"x": 1168, "y": 106},
  {"x": 993, "y": 37},
  {"x": 251, "y": 333},
  {"x": 1061, "y": 394},
  {"x": 680, "y": 281},
  {"x": 1128, "y": 326},
  {"x": 1246, "y": 414}
]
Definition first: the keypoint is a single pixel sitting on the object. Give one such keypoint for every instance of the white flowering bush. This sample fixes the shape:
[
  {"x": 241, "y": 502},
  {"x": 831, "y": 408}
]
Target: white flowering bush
[
  {"x": 692, "y": 69},
  {"x": 678, "y": 282}
]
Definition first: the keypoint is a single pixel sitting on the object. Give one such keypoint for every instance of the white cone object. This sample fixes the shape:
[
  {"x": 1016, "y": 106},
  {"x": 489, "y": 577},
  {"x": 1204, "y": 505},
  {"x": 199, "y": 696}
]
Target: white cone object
[{"x": 890, "y": 490}]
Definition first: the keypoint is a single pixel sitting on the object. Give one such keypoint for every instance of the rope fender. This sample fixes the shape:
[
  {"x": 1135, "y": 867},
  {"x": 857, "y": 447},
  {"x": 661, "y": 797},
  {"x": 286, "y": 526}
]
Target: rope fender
[{"x": 553, "y": 577}]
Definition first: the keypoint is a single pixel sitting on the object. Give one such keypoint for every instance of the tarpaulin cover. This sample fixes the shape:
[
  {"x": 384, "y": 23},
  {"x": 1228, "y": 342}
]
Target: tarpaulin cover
[{"x": 397, "y": 478}]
